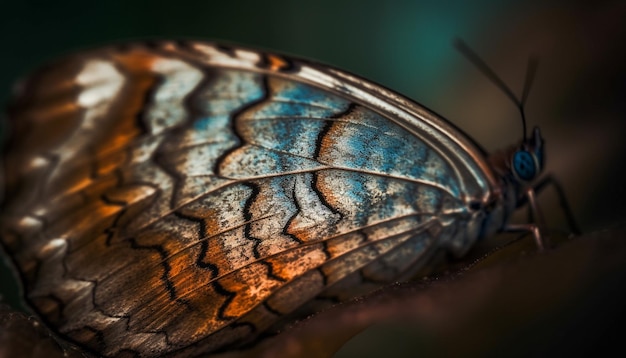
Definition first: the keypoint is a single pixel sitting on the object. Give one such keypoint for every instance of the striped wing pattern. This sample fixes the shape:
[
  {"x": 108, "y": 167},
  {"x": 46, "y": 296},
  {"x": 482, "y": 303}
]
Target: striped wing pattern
[{"x": 178, "y": 198}]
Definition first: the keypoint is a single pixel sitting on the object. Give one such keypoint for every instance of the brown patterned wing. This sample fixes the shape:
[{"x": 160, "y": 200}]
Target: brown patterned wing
[{"x": 175, "y": 199}]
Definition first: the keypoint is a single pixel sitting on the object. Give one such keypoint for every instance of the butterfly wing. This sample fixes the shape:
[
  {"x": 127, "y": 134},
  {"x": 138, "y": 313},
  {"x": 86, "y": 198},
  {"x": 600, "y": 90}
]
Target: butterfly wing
[{"x": 177, "y": 198}]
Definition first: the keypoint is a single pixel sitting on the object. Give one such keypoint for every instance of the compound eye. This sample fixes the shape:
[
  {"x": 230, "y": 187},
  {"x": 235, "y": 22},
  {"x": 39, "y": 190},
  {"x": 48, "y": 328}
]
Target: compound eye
[{"x": 524, "y": 165}]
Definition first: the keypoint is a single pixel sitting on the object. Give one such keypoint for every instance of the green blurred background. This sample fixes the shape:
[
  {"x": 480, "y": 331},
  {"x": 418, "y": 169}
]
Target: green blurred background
[{"x": 577, "y": 99}]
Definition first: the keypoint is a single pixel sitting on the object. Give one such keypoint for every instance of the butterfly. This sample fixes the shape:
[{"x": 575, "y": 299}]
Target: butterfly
[{"x": 176, "y": 198}]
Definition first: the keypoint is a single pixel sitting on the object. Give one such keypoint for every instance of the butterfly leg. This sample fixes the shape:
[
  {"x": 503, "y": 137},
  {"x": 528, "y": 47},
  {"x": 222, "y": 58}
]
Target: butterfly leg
[
  {"x": 536, "y": 223},
  {"x": 567, "y": 210},
  {"x": 537, "y": 227}
]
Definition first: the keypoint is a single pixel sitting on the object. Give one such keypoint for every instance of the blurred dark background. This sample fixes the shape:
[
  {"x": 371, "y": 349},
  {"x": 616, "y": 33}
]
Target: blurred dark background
[{"x": 578, "y": 97}]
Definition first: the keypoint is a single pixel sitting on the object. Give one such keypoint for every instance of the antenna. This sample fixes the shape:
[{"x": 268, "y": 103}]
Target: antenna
[{"x": 487, "y": 71}]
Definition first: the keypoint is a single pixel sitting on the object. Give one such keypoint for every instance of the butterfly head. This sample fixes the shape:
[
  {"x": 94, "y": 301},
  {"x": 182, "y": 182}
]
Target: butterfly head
[
  {"x": 527, "y": 161},
  {"x": 518, "y": 167}
]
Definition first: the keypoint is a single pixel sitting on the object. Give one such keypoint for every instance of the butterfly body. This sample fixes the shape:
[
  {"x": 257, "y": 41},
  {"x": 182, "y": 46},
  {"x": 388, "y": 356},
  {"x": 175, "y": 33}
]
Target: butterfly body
[{"x": 179, "y": 198}]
